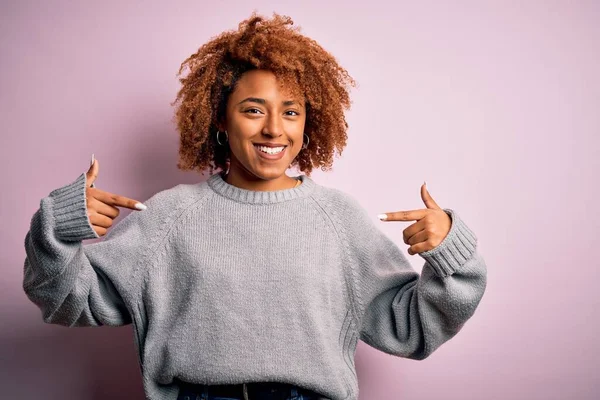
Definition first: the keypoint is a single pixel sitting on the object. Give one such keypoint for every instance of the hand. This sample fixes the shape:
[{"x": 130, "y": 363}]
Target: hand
[
  {"x": 101, "y": 205},
  {"x": 432, "y": 227}
]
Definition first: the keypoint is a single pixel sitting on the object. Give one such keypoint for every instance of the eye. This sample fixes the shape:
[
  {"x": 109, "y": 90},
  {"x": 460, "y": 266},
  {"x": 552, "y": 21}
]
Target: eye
[
  {"x": 297, "y": 113},
  {"x": 252, "y": 109}
]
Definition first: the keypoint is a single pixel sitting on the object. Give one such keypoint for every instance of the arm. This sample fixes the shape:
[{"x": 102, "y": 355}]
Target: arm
[
  {"x": 402, "y": 313},
  {"x": 77, "y": 285}
]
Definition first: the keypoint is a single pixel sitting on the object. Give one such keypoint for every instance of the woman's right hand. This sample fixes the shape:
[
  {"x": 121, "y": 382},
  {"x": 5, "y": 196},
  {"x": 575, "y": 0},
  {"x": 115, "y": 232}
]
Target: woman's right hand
[{"x": 102, "y": 206}]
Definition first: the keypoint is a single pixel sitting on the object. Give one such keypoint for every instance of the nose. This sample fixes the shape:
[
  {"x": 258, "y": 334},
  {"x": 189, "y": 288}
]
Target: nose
[{"x": 273, "y": 125}]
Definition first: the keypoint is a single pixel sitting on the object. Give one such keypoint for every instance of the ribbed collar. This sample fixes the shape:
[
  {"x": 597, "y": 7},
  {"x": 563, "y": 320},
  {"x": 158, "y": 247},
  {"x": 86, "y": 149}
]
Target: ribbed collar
[{"x": 221, "y": 187}]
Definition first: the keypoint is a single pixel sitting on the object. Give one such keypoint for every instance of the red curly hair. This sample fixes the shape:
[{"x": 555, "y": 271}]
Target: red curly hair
[{"x": 300, "y": 64}]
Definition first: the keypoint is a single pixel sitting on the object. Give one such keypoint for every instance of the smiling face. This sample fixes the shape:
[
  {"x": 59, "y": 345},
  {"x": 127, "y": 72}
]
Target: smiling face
[{"x": 259, "y": 111}]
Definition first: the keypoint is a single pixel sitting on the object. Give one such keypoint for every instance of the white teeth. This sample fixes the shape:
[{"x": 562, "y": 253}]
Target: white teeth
[{"x": 270, "y": 150}]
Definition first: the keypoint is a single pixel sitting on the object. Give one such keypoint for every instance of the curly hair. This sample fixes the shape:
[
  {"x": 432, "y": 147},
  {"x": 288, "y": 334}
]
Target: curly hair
[{"x": 301, "y": 65}]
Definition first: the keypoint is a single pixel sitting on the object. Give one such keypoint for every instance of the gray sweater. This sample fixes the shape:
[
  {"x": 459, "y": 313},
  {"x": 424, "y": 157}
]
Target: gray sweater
[{"x": 227, "y": 285}]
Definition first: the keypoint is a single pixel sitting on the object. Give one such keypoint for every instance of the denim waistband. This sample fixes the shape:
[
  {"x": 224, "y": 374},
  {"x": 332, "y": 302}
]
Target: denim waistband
[{"x": 247, "y": 391}]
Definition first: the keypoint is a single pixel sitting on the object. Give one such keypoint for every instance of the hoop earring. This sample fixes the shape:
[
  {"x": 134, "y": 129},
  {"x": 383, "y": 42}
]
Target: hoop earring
[
  {"x": 218, "y": 141},
  {"x": 307, "y": 142}
]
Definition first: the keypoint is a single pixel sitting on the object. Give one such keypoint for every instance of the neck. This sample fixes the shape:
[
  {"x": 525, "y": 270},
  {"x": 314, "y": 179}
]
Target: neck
[{"x": 245, "y": 180}]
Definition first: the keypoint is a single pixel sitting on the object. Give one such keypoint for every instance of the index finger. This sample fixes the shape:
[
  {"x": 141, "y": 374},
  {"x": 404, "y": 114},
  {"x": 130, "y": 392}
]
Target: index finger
[
  {"x": 410, "y": 215},
  {"x": 118, "y": 200}
]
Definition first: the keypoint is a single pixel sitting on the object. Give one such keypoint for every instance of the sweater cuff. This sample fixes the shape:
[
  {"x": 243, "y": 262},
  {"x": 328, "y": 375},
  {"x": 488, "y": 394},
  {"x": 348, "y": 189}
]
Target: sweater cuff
[
  {"x": 456, "y": 248},
  {"x": 69, "y": 211}
]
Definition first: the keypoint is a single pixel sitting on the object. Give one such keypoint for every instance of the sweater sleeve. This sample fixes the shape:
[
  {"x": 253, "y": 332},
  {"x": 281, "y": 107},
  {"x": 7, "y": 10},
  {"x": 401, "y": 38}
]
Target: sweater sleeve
[
  {"x": 75, "y": 284},
  {"x": 401, "y": 312}
]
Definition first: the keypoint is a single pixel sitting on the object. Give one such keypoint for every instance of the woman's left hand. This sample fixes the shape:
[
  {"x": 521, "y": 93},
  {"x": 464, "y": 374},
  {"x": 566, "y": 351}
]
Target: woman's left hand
[{"x": 432, "y": 226}]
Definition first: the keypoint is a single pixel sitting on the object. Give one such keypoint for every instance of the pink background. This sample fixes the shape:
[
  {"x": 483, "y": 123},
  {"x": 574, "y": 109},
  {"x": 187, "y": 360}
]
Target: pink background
[{"x": 495, "y": 104}]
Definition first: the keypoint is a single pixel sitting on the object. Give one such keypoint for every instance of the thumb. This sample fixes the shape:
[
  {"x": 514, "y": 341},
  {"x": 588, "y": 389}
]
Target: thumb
[
  {"x": 427, "y": 199},
  {"x": 92, "y": 173}
]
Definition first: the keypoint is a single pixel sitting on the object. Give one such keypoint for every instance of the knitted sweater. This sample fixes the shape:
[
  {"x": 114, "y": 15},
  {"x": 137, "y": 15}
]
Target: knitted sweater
[{"x": 228, "y": 285}]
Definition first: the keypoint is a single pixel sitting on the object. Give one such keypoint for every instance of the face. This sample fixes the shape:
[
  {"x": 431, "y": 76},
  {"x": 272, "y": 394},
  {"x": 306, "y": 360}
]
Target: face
[{"x": 261, "y": 112}]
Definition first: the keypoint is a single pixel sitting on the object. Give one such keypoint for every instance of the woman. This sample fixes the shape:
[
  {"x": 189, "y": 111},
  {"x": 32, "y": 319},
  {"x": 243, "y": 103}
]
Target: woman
[{"x": 253, "y": 284}]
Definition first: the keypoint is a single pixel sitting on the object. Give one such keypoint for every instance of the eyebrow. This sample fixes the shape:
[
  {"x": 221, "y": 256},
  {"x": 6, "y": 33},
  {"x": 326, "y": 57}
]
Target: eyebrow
[{"x": 263, "y": 101}]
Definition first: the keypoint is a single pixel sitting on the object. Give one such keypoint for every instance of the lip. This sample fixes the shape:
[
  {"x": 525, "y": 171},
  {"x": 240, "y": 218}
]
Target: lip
[
  {"x": 271, "y": 157},
  {"x": 270, "y": 144}
]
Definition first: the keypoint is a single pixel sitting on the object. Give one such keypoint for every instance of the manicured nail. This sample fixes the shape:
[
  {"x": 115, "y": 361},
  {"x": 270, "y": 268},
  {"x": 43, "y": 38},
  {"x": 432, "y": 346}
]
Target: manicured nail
[
  {"x": 92, "y": 163},
  {"x": 140, "y": 206},
  {"x": 382, "y": 216}
]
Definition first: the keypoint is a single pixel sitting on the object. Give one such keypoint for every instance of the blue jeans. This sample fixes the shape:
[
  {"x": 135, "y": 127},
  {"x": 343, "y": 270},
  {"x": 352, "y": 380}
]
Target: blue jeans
[{"x": 295, "y": 393}]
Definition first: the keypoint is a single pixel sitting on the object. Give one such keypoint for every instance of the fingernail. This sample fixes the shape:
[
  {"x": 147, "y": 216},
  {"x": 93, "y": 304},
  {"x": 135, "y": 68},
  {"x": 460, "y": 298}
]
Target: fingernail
[
  {"x": 92, "y": 162},
  {"x": 425, "y": 183},
  {"x": 140, "y": 206},
  {"x": 382, "y": 216}
]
